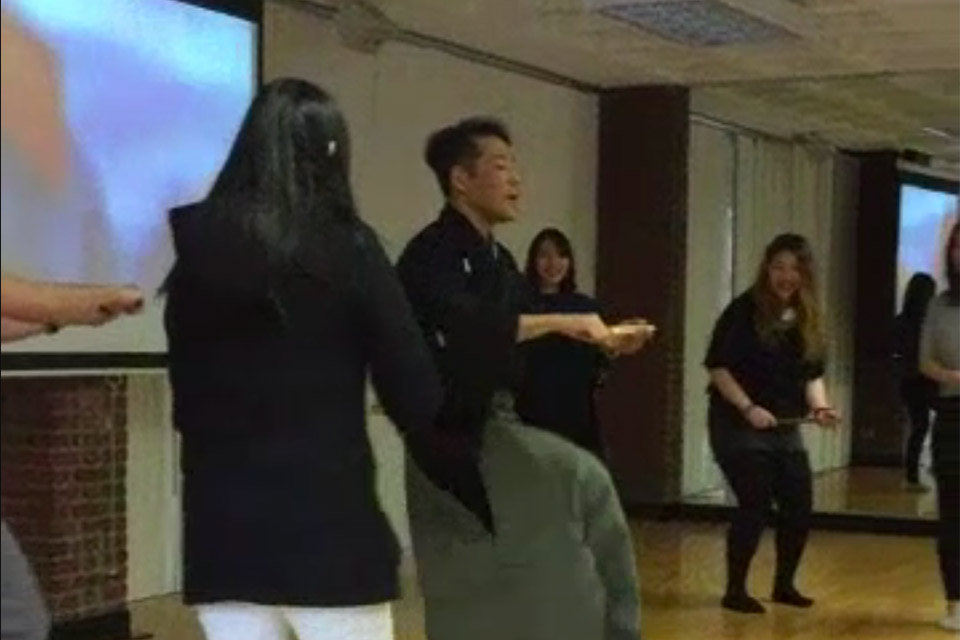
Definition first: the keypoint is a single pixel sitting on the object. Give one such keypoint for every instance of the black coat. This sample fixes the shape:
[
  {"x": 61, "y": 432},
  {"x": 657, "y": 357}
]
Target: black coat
[
  {"x": 467, "y": 295},
  {"x": 268, "y": 368}
]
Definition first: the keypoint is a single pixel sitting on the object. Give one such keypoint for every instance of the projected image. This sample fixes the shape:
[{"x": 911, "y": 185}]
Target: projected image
[
  {"x": 926, "y": 217},
  {"x": 154, "y": 91}
]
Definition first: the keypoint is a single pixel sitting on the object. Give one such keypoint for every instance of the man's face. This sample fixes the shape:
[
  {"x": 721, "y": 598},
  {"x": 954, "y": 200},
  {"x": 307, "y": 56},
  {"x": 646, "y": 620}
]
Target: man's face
[{"x": 491, "y": 184}]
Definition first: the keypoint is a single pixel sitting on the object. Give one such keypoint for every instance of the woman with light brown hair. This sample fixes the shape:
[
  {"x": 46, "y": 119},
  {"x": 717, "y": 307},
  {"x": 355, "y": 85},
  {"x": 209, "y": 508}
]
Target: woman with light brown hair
[{"x": 766, "y": 363}]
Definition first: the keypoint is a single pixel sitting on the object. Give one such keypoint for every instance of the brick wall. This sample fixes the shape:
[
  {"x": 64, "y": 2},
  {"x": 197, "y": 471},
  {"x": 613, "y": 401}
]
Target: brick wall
[{"x": 63, "y": 453}]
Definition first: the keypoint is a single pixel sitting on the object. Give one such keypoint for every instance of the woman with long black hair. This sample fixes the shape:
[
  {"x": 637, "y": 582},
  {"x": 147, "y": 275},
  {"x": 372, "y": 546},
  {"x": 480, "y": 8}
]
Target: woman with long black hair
[
  {"x": 766, "y": 362},
  {"x": 280, "y": 302},
  {"x": 916, "y": 390},
  {"x": 940, "y": 361}
]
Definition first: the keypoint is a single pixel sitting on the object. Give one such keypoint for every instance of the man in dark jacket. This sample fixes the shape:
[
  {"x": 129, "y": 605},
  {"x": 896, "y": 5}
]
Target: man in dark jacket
[{"x": 517, "y": 533}]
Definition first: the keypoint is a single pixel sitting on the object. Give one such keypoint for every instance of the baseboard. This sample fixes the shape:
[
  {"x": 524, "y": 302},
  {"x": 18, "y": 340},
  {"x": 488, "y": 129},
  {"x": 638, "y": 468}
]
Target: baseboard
[
  {"x": 113, "y": 625},
  {"x": 850, "y": 522}
]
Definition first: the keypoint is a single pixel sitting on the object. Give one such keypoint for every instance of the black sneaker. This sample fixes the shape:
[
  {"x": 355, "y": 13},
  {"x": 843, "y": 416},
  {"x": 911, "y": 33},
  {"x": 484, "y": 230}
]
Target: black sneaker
[
  {"x": 792, "y": 597},
  {"x": 742, "y": 602}
]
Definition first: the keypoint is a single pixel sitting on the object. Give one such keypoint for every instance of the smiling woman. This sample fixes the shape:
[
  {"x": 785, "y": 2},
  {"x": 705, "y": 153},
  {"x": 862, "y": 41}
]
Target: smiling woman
[
  {"x": 766, "y": 366},
  {"x": 560, "y": 374}
]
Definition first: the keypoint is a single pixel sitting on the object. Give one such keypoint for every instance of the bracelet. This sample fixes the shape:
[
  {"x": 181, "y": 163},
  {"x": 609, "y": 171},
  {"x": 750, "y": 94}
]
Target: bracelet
[{"x": 747, "y": 409}]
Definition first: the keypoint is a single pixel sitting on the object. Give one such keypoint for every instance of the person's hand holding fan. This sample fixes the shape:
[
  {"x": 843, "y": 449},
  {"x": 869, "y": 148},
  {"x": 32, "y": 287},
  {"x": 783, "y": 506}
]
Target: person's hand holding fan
[{"x": 629, "y": 336}]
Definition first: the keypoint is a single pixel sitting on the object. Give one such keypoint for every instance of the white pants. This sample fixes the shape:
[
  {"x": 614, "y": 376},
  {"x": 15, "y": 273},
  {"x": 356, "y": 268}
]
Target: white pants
[{"x": 245, "y": 621}]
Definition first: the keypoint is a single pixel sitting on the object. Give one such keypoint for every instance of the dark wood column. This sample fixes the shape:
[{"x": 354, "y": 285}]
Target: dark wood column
[
  {"x": 877, "y": 433},
  {"x": 641, "y": 257}
]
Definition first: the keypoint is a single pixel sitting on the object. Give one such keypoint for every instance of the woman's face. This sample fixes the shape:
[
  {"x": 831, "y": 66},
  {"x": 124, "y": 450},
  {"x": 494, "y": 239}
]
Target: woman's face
[
  {"x": 552, "y": 265},
  {"x": 785, "y": 277}
]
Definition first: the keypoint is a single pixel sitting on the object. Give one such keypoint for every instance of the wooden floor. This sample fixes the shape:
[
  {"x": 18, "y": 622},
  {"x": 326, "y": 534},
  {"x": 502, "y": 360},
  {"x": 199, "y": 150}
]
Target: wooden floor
[
  {"x": 864, "y": 490},
  {"x": 867, "y": 587}
]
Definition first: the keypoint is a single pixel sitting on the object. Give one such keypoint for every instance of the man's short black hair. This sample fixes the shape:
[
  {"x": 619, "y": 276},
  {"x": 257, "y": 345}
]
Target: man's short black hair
[{"x": 457, "y": 145}]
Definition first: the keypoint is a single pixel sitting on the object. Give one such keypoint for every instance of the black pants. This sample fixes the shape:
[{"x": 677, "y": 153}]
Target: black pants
[
  {"x": 916, "y": 394},
  {"x": 946, "y": 465},
  {"x": 759, "y": 479}
]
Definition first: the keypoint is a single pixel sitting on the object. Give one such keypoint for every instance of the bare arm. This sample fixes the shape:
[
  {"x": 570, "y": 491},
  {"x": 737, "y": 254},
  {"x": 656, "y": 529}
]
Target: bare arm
[
  {"x": 938, "y": 373},
  {"x": 730, "y": 389},
  {"x": 586, "y": 327},
  {"x": 823, "y": 413},
  {"x": 13, "y": 330},
  {"x": 58, "y": 304},
  {"x": 817, "y": 394}
]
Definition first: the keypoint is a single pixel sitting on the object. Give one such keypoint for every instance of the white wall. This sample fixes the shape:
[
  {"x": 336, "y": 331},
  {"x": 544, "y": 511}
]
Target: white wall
[
  {"x": 392, "y": 101},
  {"x": 744, "y": 190},
  {"x": 153, "y": 488},
  {"x": 395, "y": 98},
  {"x": 709, "y": 287}
]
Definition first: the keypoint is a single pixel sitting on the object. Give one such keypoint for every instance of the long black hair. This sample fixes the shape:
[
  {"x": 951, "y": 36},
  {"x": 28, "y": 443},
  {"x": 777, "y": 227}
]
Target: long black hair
[
  {"x": 287, "y": 173},
  {"x": 953, "y": 273},
  {"x": 920, "y": 290},
  {"x": 564, "y": 248}
]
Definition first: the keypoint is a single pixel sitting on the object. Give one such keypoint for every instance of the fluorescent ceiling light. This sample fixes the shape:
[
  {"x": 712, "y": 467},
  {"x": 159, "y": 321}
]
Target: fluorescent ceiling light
[{"x": 704, "y": 23}]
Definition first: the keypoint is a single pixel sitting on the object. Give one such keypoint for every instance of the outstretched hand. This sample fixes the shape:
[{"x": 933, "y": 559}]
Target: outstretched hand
[
  {"x": 826, "y": 417},
  {"x": 628, "y": 337},
  {"x": 589, "y": 327},
  {"x": 759, "y": 418},
  {"x": 121, "y": 300}
]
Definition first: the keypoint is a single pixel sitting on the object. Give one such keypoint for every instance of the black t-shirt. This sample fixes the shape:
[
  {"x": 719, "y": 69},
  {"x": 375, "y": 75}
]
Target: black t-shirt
[
  {"x": 774, "y": 374},
  {"x": 560, "y": 375}
]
